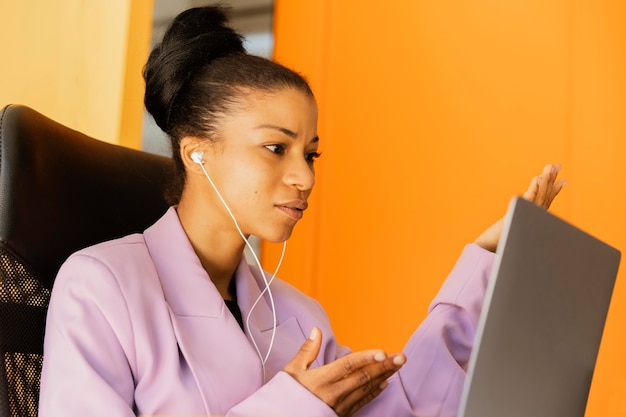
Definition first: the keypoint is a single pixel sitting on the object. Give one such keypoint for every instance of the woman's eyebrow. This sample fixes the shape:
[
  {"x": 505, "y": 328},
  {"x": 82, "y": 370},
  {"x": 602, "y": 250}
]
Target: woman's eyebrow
[{"x": 285, "y": 131}]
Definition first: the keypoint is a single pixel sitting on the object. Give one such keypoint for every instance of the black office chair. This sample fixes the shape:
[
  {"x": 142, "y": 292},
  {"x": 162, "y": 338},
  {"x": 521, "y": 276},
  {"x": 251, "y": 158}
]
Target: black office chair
[{"x": 60, "y": 191}]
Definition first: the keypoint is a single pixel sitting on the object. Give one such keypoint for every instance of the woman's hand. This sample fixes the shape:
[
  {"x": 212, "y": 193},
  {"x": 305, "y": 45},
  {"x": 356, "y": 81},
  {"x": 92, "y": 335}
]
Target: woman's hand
[
  {"x": 541, "y": 191},
  {"x": 348, "y": 383}
]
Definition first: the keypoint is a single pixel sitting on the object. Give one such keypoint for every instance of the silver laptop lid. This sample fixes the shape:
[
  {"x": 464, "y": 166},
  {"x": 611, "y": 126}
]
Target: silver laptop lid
[{"x": 540, "y": 327}]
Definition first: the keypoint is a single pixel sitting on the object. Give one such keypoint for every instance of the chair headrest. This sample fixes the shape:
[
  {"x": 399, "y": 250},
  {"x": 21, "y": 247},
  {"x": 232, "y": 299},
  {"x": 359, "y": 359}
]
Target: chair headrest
[{"x": 61, "y": 190}]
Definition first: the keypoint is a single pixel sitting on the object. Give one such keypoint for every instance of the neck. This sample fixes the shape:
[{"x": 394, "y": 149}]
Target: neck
[{"x": 218, "y": 246}]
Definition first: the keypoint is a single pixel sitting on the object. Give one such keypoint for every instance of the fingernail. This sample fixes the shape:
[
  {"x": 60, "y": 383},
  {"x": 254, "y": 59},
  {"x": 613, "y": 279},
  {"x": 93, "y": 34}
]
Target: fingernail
[
  {"x": 383, "y": 384},
  {"x": 380, "y": 356},
  {"x": 314, "y": 333},
  {"x": 398, "y": 360}
]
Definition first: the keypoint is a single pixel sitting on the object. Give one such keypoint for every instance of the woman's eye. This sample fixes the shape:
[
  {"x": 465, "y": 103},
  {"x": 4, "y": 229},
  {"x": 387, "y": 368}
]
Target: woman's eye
[
  {"x": 276, "y": 148},
  {"x": 312, "y": 156}
]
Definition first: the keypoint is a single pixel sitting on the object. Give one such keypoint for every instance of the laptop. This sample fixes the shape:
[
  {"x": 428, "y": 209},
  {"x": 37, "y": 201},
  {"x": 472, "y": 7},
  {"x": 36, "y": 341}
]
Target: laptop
[{"x": 542, "y": 320}]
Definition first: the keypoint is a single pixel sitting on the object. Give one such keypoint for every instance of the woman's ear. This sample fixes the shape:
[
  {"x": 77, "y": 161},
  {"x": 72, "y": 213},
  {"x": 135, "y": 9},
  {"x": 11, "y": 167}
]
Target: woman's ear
[{"x": 192, "y": 154}]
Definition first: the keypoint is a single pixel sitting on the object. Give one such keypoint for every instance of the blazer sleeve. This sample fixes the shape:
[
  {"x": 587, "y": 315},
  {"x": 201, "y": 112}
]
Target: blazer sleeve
[
  {"x": 282, "y": 396},
  {"x": 431, "y": 382},
  {"x": 86, "y": 373}
]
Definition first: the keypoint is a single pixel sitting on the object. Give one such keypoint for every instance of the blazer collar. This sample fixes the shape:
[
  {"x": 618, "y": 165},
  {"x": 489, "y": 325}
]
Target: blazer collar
[{"x": 188, "y": 288}]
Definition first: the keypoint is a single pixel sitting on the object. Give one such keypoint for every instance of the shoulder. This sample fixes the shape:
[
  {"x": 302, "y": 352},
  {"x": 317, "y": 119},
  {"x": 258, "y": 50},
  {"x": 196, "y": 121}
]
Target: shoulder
[
  {"x": 123, "y": 252},
  {"x": 129, "y": 242},
  {"x": 122, "y": 265}
]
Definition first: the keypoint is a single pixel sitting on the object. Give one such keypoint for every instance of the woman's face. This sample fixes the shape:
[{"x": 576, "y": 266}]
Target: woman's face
[{"x": 262, "y": 162}]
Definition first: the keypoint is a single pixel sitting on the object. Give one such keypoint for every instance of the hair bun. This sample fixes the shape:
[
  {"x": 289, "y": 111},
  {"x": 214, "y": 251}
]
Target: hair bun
[{"x": 195, "y": 37}]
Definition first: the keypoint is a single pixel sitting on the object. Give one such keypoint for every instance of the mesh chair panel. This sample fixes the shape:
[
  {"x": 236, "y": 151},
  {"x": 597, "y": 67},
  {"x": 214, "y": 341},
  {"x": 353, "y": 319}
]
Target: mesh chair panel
[{"x": 23, "y": 302}]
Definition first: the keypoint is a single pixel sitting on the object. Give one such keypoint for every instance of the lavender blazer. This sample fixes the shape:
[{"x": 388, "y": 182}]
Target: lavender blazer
[{"x": 136, "y": 327}]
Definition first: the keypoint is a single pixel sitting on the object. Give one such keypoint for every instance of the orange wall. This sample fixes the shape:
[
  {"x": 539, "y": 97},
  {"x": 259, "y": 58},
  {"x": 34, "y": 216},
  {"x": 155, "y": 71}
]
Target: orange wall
[{"x": 434, "y": 114}]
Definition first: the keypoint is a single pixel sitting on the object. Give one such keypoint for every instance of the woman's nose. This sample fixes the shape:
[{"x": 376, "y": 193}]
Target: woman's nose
[{"x": 300, "y": 174}]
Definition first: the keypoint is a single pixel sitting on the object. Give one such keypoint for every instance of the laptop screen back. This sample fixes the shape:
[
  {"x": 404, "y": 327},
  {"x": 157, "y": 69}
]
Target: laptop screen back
[{"x": 541, "y": 325}]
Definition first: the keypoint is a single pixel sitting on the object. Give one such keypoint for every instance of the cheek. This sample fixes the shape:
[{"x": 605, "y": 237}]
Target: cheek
[
  {"x": 250, "y": 185},
  {"x": 248, "y": 181}
]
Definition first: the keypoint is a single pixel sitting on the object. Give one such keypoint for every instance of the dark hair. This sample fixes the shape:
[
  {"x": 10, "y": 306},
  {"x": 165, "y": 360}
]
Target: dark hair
[{"x": 199, "y": 72}]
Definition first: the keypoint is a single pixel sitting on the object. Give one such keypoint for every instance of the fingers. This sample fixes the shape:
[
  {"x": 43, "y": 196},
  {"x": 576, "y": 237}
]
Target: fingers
[
  {"x": 542, "y": 190},
  {"x": 545, "y": 187},
  {"x": 347, "y": 383},
  {"x": 555, "y": 189},
  {"x": 366, "y": 383},
  {"x": 353, "y": 362},
  {"x": 546, "y": 180},
  {"x": 357, "y": 398},
  {"x": 307, "y": 353},
  {"x": 362, "y": 371},
  {"x": 531, "y": 193}
]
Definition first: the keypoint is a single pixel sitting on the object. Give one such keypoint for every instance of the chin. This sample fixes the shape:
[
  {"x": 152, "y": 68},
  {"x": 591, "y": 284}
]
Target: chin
[{"x": 277, "y": 237}]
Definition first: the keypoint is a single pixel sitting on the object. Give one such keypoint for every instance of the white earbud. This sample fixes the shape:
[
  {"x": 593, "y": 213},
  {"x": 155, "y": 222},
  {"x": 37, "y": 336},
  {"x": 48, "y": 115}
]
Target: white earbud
[{"x": 198, "y": 157}]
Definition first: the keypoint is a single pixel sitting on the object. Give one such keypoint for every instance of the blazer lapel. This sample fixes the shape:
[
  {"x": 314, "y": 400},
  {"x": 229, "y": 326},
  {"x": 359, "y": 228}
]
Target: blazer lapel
[
  {"x": 283, "y": 343},
  {"x": 214, "y": 349}
]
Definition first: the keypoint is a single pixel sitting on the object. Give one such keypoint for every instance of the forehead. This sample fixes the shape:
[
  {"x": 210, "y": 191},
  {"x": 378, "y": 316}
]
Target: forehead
[{"x": 289, "y": 108}]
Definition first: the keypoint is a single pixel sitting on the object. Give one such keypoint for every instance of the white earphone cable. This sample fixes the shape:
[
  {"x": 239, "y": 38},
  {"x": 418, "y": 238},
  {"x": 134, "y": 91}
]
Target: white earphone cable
[{"x": 258, "y": 263}]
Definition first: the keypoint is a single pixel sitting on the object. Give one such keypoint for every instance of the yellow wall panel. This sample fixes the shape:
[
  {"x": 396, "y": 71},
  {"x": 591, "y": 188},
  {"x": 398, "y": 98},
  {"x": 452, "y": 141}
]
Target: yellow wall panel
[{"x": 78, "y": 62}]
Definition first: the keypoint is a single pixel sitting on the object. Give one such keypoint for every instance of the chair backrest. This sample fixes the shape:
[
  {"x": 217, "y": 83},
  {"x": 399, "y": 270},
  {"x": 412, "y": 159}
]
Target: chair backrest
[{"x": 60, "y": 191}]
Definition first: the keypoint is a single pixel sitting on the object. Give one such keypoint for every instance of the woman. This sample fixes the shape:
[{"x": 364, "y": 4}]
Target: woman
[{"x": 174, "y": 321}]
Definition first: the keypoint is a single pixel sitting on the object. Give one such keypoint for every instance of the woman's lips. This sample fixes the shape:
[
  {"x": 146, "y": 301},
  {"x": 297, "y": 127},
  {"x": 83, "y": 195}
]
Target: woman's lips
[{"x": 293, "y": 209}]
